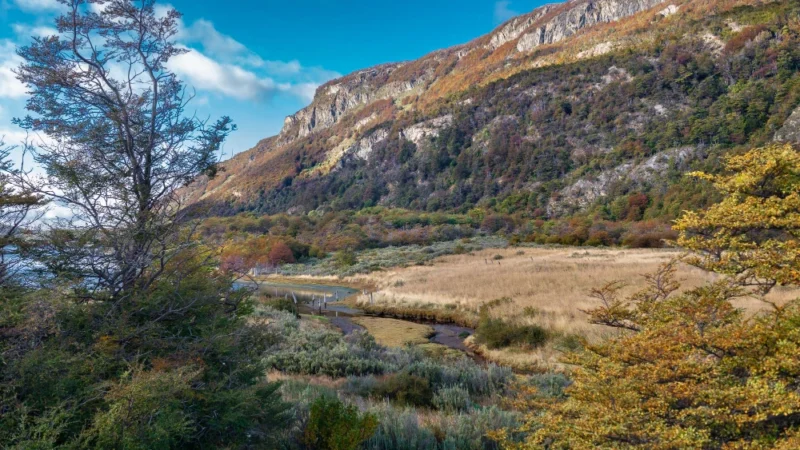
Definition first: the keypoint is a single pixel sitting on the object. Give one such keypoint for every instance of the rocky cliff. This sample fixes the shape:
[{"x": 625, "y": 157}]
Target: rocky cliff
[{"x": 545, "y": 25}]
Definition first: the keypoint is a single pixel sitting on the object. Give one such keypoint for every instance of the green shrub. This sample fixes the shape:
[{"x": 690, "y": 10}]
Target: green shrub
[
  {"x": 145, "y": 411},
  {"x": 406, "y": 389},
  {"x": 332, "y": 425},
  {"x": 496, "y": 302},
  {"x": 323, "y": 351},
  {"x": 569, "y": 343},
  {"x": 401, "y": 429},
  {"x": 452, "y": 399},
  {"x": 282, "y": 304},
  {"x": 363, "y": 386},
  {"x": 316, "y": 252},
  {"x": 346, "y": 258},
  {"x": 497, "y": 333},
  {"x": 478, "y": 380},
  {"x": 530, "y": 311},
  {"x": 187, "y": 380},
  {"x": 550, "y": 384}
]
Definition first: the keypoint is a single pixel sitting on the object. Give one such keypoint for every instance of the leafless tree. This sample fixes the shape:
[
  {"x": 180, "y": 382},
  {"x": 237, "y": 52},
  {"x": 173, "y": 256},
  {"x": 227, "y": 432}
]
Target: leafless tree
[{"x": 119, "y": 141}]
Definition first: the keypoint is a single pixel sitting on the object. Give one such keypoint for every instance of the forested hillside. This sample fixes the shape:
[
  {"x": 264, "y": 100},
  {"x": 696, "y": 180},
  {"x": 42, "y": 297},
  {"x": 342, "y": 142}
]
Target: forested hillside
[{"x": 588, "y": 124}]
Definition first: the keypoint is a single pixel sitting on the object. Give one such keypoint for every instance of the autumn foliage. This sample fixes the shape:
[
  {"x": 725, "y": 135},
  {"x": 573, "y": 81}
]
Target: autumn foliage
[
  {"x": 752, "y": 235},
  {"x": 688, "y": 369},
  {"x": 280, "y": 253}
]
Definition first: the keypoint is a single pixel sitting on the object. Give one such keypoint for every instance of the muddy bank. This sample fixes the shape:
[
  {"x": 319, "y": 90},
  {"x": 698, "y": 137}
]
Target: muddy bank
[
  {"x": 452, "y": 336},
  {"x": 345, "y": 324}
]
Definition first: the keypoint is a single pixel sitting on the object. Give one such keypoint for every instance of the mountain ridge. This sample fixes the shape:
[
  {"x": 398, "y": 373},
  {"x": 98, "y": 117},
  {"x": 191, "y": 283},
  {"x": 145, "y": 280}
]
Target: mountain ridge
[
  {"x": 547, "y": 24},
  {"x": 415, "y": 102}
]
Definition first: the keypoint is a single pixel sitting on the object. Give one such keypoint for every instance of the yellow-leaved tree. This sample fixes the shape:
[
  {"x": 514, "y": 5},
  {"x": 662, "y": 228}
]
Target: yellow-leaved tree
[{"x": 688, "y": 369}]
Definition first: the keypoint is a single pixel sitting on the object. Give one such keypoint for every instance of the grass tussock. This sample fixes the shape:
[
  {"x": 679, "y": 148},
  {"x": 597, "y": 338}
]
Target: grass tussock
[{"x": 395, "y": 333}]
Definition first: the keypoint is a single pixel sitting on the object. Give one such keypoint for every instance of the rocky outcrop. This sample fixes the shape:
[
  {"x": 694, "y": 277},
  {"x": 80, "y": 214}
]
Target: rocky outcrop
[
  {"x": 790, "y": 131},
  {"x": 514, "y": 28},
  {"x": 428, "y": 129},
  {"x": 364, "y": 146},
  {"x": 579, "y": 15},
  {"x": 339, "y": 97},
  {"x": 586, "y": 191}
]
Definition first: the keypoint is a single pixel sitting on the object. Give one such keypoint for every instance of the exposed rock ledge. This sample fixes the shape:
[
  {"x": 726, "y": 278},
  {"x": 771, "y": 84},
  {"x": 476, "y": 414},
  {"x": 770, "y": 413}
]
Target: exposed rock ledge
[
  {"x": 586, "y": 191},
  {"x": 790, "y": 131}
]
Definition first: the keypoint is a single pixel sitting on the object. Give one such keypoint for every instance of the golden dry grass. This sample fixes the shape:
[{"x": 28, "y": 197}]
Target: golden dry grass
[
  {"x": 395, "y": 333},
  {"x": 548, "y": 286}
]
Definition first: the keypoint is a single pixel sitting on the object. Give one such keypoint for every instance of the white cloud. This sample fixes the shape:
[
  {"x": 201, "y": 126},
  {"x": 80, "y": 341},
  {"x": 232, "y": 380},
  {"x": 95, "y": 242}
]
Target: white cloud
[
  {"x": 217, "y": 63},
  {"x": 205, "y": 73},
  {"x": 15, "y": 139},
  {"x": 25, "y": 31},
  {"x": 503, "y": 11},
  {"x": 227, "y": 66},
  {"x": 56, "y": 211},
  {"x": 98, "y": 8},
  {"x": 214, "y": 43},
  {"x": 202, "y": 100},
  {"x": 11, "y": 138},
  {"x": 226, "y": 49},
  {"x": 282, "y": 67},
  {"x": 10, "y": 86},
  {"x": 161, "y": 9},
  {"x": 38, "y": 5},
  {"x": 305, "y": 91}
]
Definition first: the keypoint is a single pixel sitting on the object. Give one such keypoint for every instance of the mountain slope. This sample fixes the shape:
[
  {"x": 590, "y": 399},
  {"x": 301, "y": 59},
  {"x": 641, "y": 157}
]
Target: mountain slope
[{"x": 570, "y": 108}]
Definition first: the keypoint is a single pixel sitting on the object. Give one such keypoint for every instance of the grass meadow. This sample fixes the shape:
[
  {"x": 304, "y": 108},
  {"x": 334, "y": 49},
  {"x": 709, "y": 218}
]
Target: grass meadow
[{"x": 548, "y": 287}]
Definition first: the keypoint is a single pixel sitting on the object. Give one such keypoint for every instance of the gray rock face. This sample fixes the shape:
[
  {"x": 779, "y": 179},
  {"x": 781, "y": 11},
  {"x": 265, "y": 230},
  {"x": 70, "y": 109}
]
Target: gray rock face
[
  {"x": 429, "y": 129},
  {"x": 579, "y": 15},
  {"x": 364, "y": 146},
  {"x": 790, "y": 131},
  {"x": 515, "y": 27},
  {"x": 340, "y": 97},
  {"x": 585, "y": 191}
]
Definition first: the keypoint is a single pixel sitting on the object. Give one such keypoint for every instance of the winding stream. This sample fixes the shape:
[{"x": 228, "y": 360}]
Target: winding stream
[{"x": 340, "y": 314}]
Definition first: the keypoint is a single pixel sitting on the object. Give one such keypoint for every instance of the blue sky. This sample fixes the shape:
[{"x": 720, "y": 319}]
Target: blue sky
[{"x": 259, "y": 61}]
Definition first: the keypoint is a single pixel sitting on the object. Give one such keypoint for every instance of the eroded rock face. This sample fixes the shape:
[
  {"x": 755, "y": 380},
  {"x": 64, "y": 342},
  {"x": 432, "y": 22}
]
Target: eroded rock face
[
  {"x": 428, "y": 129},
  {"x": 336, "y": 99},
  {"x": 364, "y": 146},
  {"x": 790, "y": 131},
  {"x": 516, "y": 26},
  {"x": 579, "y": 15},
  {"x": 586, "y": 191}
]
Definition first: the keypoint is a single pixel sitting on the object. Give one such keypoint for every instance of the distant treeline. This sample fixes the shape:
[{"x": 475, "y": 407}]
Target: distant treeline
[{"x": 284, "y": 238}]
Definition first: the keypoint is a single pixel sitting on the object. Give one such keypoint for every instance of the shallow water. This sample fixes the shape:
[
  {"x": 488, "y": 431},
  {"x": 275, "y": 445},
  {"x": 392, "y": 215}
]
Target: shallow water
[
  {"x": 304, "y": 291},
  {"x": 340, "y": 313}
]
